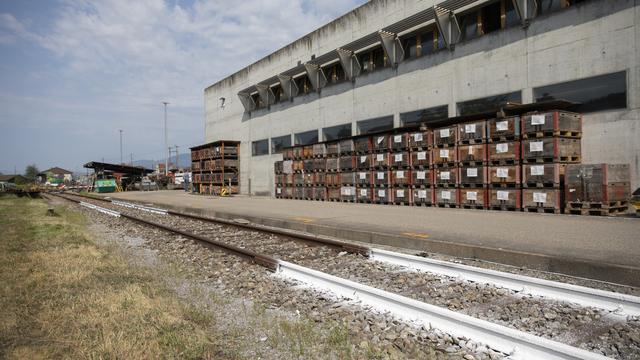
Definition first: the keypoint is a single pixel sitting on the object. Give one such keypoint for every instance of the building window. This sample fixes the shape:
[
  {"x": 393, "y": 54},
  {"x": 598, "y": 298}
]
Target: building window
[
  {"x": 378, "y": 59},
  {"x": 337, "y": 132},
  {"x": 306, "y": 138},
  {"x": 427, "y": 42},
  {"x": 375, "y": 125},
  {"x": 491, "y": 18},
  {"x": 469, "y": 25},
  {"x": 488, "y": 103},
  {"x": 304, "y": 84},
  {"x": 334, "y": 73},
  {"x": 257, "y": 100},
  {"x": 426, "y": 116},
  {"x": 365, "y": 62},
  {"x": 260, "y": 147},
  {"x": 280, "y": 142},
  {"x": 604, "y": 92},
  {"x": 510, "y": 17},
  {"x": 410, "y": 47},
  {"x": 277, "y": 92}
]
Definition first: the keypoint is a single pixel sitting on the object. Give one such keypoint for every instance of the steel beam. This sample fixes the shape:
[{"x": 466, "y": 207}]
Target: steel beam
[
  {"x": 289, "y": 87},
  {"x": 316, "y": 76},
  {"x": 448, "y": 26},
  {"x": 349, "y": 63},
  {"x": 526, "y": 9},
  {"x": 392, "y": 47}
]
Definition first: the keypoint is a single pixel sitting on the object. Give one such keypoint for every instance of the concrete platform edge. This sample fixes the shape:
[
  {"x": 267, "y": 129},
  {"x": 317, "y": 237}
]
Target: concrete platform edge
[{"x": 613, "y": 273}]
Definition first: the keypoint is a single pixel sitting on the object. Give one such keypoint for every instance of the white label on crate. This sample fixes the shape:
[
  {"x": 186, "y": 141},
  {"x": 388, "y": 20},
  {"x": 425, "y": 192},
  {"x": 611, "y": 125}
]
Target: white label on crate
[
  {"x": 572, "y": 190},
  {"x": 421, "y": 175},
  {"x": 536, "y": 146},
  {"x": 279, "y": 191},
  {"x": 539, "y": 197},
  {"x": 397, "y": 138},
  {"x": 380, "y": 176},
  {"x": 537, "y": 170},
  {"x": 444, "y": 133},
  {"x": 537, "y": 119},
  {"x": 445, "y": 195},
  {"x": 502, "y": 172},
  {"x": 400, "y": 193},
  {"x": 400, "y": 174},
  {"x": 445, "y": 175},
  {"x": 363, "y": 159},
  {"x": 502, "y": 125},
  {"x": 470, "y": 128},
  {"x": 362, "y": 175},
  {"x": 503, "y": 195},
  {"x": 398, "y": 157},
  {"x": 380, "y": 139},
  {"x": 444, "y": 153},
  {"x": 422, "y": 194},
  {"x": 472, "y": 195},
  {"x": 363, "y": 192},
  {"x": 381, "y": 193},
  {"x": 417, "y": 137},
  {"x": 472, "y": 172},
  {"x": 379, "y": 157},
  {"x": 502, "y": 148},
  {"x": 422, "y": 155}
]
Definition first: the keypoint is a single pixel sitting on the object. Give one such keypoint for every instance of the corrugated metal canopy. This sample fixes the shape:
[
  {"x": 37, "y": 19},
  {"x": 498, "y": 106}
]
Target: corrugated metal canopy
[{"x": 413, "y": 21}]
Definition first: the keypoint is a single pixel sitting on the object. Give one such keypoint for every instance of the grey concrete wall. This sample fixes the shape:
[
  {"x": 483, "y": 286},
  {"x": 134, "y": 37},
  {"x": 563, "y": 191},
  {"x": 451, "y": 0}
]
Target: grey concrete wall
[{"x": 595, "y": 38}]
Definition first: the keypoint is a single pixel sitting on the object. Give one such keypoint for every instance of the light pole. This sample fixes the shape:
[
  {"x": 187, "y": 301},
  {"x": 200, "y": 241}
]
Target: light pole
[
  {"x": 120, "y": 146},
  {"x": 166, "y": 140}
]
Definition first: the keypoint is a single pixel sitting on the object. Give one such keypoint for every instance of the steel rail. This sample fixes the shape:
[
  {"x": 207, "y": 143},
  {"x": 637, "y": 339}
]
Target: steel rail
[
  {"x": 351, "y": 248},
  {"x": 619, "y": 303},
  {"x": 518, "y": 344},
  {"x": 266, "y": 261}
]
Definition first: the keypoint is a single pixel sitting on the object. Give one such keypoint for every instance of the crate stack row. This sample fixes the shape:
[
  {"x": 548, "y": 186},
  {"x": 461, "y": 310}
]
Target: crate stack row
[
  {"x": 550, "y": 141},
  {"x": 510, "y": 163}
]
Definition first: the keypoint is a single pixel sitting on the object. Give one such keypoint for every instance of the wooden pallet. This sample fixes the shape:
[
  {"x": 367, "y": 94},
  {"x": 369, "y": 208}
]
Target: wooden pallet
[
  {"x": 473, "y": 206},
  {"x": 503, "y": 162},
  {"x": 503, "y": 208},
  {"x": 472, "y": 141},
  {"x": 503, "y": 185},
  {"x": 552, "y": 133},
  {"x": 552, "y": 159},
  {"x": 610, "y": 208},
  {"x": 468, "y": 185},
  {"x": 540, "y": 185},
  {"x": 446, "y": 205},
  {"x": 425, "y": 204},
  {"x": 545, "y": 210},
  {"x": 503, "y": 138},
  {"x": 472, "y": 163}
]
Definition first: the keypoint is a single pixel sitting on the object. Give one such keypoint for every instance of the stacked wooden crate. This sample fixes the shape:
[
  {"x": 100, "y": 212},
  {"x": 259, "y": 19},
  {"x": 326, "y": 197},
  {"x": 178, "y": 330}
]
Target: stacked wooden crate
[
  {"x": 419, "y": 143},
  {"x": 551, "y": 140},
  {"x": 400, "y": 173},
  {"x": 319, "y": 190},
  {"x": 503, "y": 172},
  {"x": 444, "y": 154},
  {"x": 380, "y": 166},
  {"x": 597, "y": 189},
  {"x": 347, "y": 164},
  {"x": 472, "y": 165},
  {"x": 364, "y": 182}
]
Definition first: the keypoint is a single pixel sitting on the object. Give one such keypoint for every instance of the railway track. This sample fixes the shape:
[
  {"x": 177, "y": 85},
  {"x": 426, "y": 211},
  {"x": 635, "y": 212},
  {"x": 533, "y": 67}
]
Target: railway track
[{"x": 430, "y": 296}]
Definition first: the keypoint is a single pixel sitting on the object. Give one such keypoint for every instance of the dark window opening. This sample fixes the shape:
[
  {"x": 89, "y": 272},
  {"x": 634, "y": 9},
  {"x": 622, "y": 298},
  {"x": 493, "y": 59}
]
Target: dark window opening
[
  {"x": 427, "y": 43},
  {"x": 488, "y": 103},
  {"x": 304, "y": 84},
  {"x": 603, "y": 92},
  {"x": 334, "y": 73},
  {"x": 277, "y": 92},
  {"x": 548, "y": 6},
  {"x": 379, "y": 59},
  {"x": 375, "y": 125},
  {"x": 337, "y": 132},
  {"x": 469, "y": 25},
  {"x": 257, "y": 100},
  {"x": 260, "y": 147},
  {"x": 491, "y": 18},
  {"x": 410, "y": 47},
  {"x": 441, "y": 44},
  {"x": 280, "y": 142},
  {"x": 365, "y": 61},
  {"x": 426, "y": 116},
  {"x": 306, "y": 138},
  {"x": 511, "y": 17}
]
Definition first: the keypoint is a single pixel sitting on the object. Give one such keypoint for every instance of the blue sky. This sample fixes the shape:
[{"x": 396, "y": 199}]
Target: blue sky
[{"x": 73, "y": 72}]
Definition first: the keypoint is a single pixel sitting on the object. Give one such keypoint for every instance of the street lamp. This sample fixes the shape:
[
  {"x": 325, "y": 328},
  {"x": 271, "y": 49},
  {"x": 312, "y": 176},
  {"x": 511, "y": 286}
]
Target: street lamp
[
  {"x": 120, "y": 146},
  {"x": 166, "y": 140}
]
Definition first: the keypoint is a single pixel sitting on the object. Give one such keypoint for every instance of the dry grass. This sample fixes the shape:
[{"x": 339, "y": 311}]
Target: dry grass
[{"x": 62, "y": 296}]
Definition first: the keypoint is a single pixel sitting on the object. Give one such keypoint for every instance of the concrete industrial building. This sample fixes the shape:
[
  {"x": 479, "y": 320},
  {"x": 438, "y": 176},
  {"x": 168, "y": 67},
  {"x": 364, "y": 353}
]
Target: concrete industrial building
[{"x": 390, "y": 63}]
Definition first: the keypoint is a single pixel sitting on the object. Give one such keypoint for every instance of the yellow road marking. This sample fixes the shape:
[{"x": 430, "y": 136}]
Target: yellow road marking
[
  {"x": 303, "y": 219},
  {"x": 416, "y": 235}
]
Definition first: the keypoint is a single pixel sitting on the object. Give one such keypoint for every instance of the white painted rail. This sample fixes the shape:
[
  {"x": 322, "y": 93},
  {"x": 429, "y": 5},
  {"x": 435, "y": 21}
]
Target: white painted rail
[
  {"x": 139, "y": 207},
  {"x": 619, "y": 303},
  {"x": 100, "y": 209},
  {"x": 518, "y": 344}
]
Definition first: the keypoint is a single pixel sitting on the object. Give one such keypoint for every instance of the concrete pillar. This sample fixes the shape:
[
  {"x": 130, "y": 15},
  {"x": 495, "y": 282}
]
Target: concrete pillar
[{"x": 527, "y": 95}]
